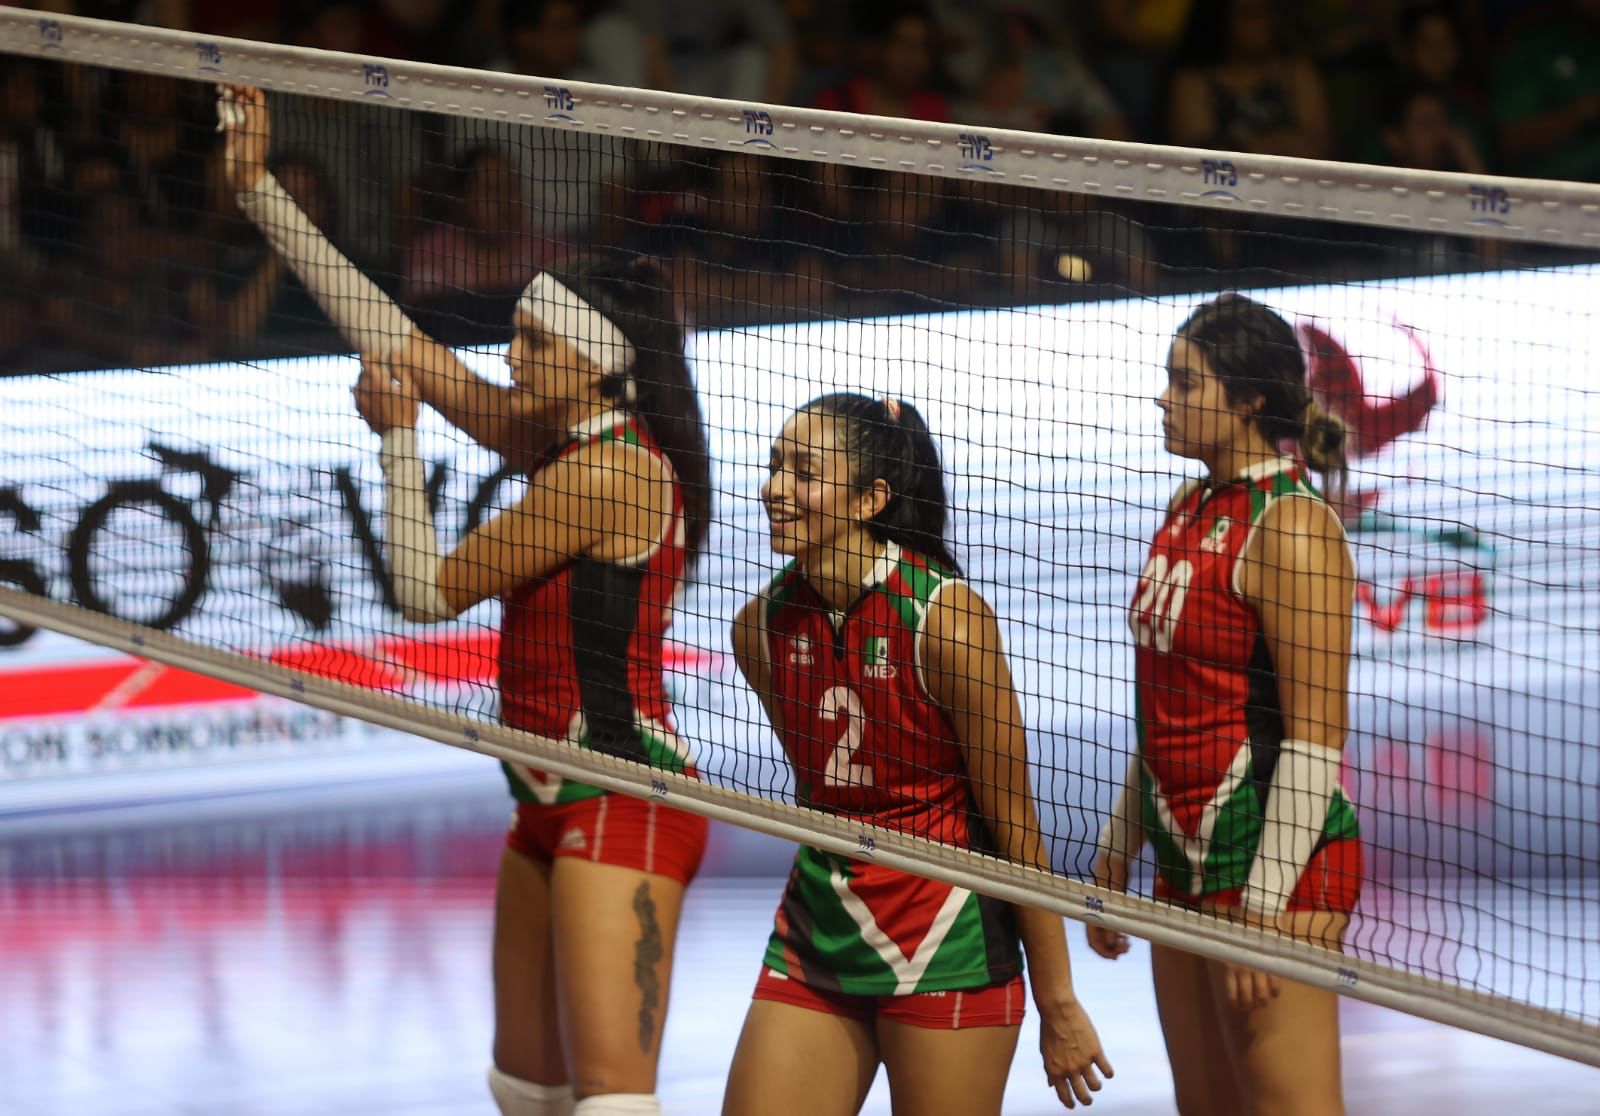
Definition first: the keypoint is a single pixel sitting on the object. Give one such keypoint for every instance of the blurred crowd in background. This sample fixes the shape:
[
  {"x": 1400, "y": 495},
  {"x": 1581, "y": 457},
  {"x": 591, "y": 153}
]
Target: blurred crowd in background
[{"x": 120, "y": 244}]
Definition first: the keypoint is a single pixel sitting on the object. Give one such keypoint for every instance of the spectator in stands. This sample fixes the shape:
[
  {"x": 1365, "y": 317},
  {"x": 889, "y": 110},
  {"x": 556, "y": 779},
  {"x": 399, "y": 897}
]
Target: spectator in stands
[
  {"x": 1417, "y": 131},
  {"x": 736, "y": 244},
  {"x": 426, "y": 30},
  {"x": 114, "y": 301},
  {"x": 564, "y": 176},
  {"x": 897, "y": 69},
  {"x": 239, "y": 19},
  {"x": 93, "y": 169},
  {"x": 912, "y": 238},
  {"x": 558, "y": 39},
  {"x": 740, "y": 49},
  {"x": 20, "y": 331},
  {"x": 1353, "y": 44},
  {"x": 837, "y": 227},
  {"x": 1241, "y": 87},
  {"x": 824, "y": 35},
  {"x": 1433, "y": 52},
  {"x": 484, "y": 253},
  {"x": 1036, "y": 81},
  {"x": 1546, "y": 89},
  {"x": 125, "y": 11},
  {"x": 1432, "y": 49},
  {"x": 1133, "y": 43},
  {"x": 32, "y": 172},
  {"x": 155, "y": 123},
  {"x": 1027, "y": 247}
]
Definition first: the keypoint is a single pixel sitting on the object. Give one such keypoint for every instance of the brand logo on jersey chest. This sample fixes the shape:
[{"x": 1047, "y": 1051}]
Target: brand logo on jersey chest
[
  {"x": 875, "y": 657},
  {"x": 800, "y": 652}
]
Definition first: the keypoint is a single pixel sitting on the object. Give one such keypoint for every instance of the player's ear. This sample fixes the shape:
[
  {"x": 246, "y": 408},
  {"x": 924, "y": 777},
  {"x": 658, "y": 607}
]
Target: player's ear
[{"x": 874, "y": 498}]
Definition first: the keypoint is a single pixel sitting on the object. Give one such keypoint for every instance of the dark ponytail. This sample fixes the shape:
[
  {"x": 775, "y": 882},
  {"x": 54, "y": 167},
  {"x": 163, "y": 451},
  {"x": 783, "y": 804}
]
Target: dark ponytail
[
  {"x": 636, "y": 294},
  {"x": 887, "y": 440}
]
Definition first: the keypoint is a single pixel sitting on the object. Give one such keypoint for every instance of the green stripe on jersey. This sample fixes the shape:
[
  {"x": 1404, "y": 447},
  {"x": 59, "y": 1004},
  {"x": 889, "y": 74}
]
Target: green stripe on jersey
[
  {"x": 1219, "y": 855},
  {"x": 781, "y": 590},
  {"x": 1286, "y": 483},
  {"x": 839, "y": 945},
  {"x": 829, "y": 941},
  {"x": 659, "y": 754},
  {"x": 921, "y": 582}
]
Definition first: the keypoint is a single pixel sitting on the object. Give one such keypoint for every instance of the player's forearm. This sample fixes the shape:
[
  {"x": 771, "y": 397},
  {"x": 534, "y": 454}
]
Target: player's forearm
[
  {"x": 364, "y": 314},
  {"x": 408, "y": 522},
  {"x": 466, "y": 401},
  {"x": 1123, "y": 834},
  {"x": 1044, "y": 942},
  {"x": 491, "y": 414},
  {"x": 1014, "y": 825}
]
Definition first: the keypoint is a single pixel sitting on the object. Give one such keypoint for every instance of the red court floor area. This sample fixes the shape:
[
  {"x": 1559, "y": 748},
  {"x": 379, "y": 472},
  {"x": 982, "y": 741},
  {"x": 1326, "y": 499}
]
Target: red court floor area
[{"x": 331, "y": 959}]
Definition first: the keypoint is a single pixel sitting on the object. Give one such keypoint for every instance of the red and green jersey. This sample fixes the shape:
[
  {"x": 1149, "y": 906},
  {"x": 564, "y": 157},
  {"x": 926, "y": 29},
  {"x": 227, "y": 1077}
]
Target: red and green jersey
[
  {"x": 1209, "y": 718},
  {"x": 866, "y": 741},
  {"x": 581, "y": 648}
]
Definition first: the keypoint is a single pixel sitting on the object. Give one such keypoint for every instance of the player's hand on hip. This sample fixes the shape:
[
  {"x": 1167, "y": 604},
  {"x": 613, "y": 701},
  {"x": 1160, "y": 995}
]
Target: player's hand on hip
[
  {"x": 1111, "y": 873},
  {"x": 385, "y": 396},
  {"x": 1074, "y": 1062},
  {"x": 247, "y": 134}
]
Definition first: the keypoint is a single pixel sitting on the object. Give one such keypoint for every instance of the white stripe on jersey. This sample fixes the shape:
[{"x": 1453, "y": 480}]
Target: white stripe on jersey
[{"x": 908, "y": 971}]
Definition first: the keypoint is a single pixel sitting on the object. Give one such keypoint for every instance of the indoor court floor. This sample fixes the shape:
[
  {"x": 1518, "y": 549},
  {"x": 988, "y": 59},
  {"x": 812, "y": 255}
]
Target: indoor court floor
[{"x": 327, "y": 956}]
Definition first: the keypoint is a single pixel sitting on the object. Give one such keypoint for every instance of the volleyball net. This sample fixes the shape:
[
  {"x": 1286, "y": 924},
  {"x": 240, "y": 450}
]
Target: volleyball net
[{"x": 183, "y": 477}]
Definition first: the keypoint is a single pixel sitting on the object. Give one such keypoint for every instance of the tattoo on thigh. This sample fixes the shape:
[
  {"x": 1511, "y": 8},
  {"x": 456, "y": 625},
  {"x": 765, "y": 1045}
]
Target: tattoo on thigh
[{"x": 647, "y": 954}]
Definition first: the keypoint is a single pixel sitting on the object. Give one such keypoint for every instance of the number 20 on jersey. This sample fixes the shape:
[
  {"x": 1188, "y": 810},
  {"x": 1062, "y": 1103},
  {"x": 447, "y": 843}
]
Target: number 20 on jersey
[{"x": 1163, "y": 587}]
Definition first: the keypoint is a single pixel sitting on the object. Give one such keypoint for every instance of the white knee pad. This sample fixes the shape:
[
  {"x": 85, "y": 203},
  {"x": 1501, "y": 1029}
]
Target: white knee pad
[
  {"x": 525, "y": 1098},
  {"x": 619, "y": 1104}
]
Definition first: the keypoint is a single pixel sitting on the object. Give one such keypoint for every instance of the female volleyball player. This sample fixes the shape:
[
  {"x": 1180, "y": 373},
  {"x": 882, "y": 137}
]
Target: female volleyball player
[
  {"x": 1241, "y": 623},
  {"x": 603, "y": 415},
  {"x": 882, "y": 673}
]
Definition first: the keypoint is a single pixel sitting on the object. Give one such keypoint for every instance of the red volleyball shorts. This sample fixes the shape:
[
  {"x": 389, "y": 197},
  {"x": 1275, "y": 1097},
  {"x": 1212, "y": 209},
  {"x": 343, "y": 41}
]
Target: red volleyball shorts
[
  {"x": 999, "y": 1005},
  {"x": 1331, "y": 882},
  {"x": 641, "y": 834}
]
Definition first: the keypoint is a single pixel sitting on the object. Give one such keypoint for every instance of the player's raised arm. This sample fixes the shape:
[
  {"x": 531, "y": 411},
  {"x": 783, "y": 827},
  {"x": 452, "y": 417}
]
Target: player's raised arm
[
  {"x": 365, "y": 315},
  {"x": 572, "y": 506},
  {"x": 586, "y": 565}
]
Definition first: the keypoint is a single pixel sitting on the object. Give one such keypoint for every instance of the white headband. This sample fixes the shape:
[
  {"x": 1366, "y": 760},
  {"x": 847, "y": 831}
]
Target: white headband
[{"x": 562, "y": 313}]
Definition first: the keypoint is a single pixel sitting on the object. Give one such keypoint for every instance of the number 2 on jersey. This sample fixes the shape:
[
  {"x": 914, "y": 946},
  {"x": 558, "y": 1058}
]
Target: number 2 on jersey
[
  {"x": 842, "y": 704},
  {"x": 1164, "y": 587}
]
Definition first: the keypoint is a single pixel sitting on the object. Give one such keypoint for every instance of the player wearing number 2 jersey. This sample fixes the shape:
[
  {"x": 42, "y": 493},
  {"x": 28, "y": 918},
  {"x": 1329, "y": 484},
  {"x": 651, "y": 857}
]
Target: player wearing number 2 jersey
[
  {"x": 1241, "y": 625},
  {"x": 883, "y": 675}
]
